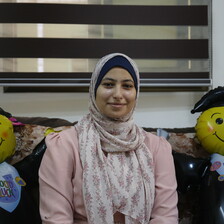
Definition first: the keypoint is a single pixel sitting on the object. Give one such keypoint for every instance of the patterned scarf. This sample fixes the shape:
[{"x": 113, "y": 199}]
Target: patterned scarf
[{"x": 122, "y": 181}]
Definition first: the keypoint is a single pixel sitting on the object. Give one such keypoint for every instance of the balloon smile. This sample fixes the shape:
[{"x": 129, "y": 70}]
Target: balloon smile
[
  {"x": 218, "y": 137},
  {"x": 1, "y": 140}
]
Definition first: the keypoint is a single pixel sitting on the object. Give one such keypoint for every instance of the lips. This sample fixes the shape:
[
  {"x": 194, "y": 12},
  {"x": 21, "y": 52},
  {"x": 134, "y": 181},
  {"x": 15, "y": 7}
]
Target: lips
[{"x": 117, "y": 104}]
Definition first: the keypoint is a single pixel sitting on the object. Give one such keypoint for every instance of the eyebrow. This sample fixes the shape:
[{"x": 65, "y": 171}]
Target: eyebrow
[
  {"x": 114, "y": 80},
  {"x": 214, "y": 114}
]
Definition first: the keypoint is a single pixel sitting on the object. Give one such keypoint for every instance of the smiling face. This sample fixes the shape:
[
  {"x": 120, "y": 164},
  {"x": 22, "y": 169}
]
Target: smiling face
[
  {"x": 7, "y": 138},
  {"x": 116, "y": 94},
  {"x": 210, "y": 130}
]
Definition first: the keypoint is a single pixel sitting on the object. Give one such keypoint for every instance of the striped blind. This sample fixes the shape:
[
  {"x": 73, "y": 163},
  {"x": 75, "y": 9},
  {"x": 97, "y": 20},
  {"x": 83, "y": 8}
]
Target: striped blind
[{"x": 170, "y": 43}]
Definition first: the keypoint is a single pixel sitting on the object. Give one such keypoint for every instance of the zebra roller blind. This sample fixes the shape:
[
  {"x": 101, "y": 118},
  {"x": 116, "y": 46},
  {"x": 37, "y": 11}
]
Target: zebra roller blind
[{"x": 54, "y": 46}]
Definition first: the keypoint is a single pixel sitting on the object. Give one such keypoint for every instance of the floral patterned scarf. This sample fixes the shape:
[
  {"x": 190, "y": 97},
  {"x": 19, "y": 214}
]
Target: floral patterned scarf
[{"x": 122, "y": 181}]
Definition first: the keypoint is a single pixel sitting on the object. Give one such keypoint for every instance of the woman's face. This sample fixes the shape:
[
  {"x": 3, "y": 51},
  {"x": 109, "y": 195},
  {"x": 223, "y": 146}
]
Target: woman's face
[{"x": 116, "y": 94}]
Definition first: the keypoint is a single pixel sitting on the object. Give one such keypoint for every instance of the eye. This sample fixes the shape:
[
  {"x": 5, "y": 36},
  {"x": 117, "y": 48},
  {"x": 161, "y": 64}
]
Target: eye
[
  {"x": 108, "y": 84},
  {"x": 219, "y": 121},
  {"x": 128, "y": 86}
]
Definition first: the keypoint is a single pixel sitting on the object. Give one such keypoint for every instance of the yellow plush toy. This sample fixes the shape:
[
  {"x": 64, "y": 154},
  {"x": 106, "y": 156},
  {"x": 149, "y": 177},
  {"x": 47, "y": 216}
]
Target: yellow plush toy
[{"x": 7, "y": 138}]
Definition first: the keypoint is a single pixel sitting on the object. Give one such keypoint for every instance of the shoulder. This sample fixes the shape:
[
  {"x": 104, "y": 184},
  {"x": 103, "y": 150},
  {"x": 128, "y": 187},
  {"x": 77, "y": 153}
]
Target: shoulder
[
  {"x": 66, "y": 141},
  {"x": 69, "y": 134},
  {"x": 157, "y": 144},
  {"x": 161, "y": 151}
]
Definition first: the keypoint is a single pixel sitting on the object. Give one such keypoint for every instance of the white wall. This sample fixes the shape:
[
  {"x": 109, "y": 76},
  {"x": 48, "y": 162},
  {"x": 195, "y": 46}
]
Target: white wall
[
  {"x": 165, "y": 110},
  {"x": 218, "y": 43}
]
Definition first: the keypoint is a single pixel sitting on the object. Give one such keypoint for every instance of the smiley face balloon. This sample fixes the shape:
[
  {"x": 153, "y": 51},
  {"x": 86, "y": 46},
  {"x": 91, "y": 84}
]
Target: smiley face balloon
[
  {"x": 210, "y": 130},
  {"x": 7, "y": 138},
  {"x": 210, "y": 133}
]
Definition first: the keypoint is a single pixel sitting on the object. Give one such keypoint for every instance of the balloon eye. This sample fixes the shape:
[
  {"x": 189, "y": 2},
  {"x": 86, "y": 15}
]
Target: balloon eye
[{"x": 219, "y": 121}]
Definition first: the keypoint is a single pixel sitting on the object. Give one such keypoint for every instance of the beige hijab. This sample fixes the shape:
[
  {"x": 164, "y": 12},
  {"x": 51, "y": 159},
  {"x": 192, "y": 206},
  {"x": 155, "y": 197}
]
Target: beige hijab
[{"x": 122, "y": 181}]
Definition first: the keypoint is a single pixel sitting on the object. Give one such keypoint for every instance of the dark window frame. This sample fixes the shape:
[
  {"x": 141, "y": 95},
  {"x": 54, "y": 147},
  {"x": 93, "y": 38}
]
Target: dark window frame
[{"x": 188, "y": 49}]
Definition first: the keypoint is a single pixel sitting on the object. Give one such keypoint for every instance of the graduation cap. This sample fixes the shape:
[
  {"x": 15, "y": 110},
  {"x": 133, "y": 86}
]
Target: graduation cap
[
  {"x": 214, "y": 98},
  {"x": 9, "y": 116},
  {"x": 4, "y": 113}
]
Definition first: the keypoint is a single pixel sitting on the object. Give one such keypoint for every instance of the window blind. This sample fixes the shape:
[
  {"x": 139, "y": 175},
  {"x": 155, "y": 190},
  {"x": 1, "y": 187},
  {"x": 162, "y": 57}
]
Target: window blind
[{"x": 165, "y": 62}]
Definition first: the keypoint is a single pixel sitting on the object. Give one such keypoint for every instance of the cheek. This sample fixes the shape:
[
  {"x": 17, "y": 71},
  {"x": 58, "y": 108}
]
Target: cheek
[
  {"x": 102, "y": 96},
  {"x": 4, "y": 134},
  {"x": 107, "y": 93},
  {"x": 131, "y": 96},
  {"x": 210, "y": 129}
]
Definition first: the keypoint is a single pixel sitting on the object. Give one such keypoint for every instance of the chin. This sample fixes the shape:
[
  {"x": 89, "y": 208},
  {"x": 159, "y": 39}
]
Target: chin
[
  {"x": 121, "y": 117},
  {"x": 115, "y": 117}
]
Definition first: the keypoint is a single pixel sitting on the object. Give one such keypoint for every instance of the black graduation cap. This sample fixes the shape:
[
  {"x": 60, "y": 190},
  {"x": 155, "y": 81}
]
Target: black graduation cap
[
  {"x": 4, "y": 113},
  {"x": 214, "y": 98}
]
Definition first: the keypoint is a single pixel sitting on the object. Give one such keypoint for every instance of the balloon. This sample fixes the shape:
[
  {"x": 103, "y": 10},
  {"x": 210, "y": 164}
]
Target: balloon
[
  {"x": 7, "y": 138},
  {"x": 212, "y": 197},
  {"x": 16, "y": 205},
  {"x": 16, "y": 201},
  {"x": 210, "y": 133},
  {"x": 210, "y": 130},
  {"x": 29, "y": 166},
  {"x": 10, "y": 189},
  {"x": 189, "y": 170}
]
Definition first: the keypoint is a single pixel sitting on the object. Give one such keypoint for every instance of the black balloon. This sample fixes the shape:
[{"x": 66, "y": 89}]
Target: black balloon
[
  {"x": 189, "y": 170},
  {"x": 211, "y": 199},
  {"x": 29, "y": 166},
  {"x": 27, "y": 211}
]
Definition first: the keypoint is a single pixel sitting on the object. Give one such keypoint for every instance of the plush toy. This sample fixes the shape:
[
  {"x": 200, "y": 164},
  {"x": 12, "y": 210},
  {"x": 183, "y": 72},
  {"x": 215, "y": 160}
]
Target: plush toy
[
  {"x": 15, "y": 203},
  {"x": 210, "y": 133}
]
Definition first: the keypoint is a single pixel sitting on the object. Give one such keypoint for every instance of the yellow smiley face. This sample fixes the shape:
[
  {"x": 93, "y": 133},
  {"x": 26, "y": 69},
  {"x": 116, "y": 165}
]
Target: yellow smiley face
[
  {"x": 210, "y": 130},
  {"x": 7, "y": 138}
]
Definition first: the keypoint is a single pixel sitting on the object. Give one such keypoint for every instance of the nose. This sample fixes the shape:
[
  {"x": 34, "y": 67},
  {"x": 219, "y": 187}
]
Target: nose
[{"x": 117, "y": 92}]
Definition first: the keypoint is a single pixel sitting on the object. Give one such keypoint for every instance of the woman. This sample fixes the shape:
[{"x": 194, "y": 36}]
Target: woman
[{"x": 106, "y": 169}]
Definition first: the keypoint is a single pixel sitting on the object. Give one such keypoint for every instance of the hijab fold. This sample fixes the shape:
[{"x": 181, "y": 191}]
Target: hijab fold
[{"x": 122, "y": 181}]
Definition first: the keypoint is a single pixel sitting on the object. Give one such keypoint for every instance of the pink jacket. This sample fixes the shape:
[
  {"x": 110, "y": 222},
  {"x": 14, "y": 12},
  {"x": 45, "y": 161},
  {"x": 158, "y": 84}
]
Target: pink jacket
[{"x": 60, "y": 179}]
